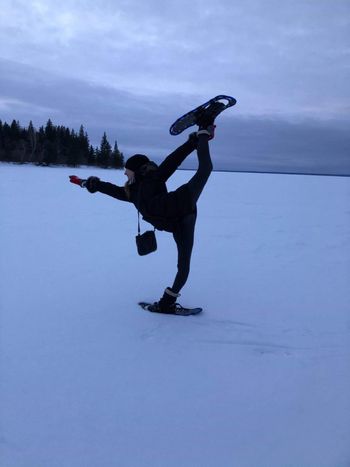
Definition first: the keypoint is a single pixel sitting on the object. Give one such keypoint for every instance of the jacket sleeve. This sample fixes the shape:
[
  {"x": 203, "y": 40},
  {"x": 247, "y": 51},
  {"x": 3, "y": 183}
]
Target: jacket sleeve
[
  {"x": 115, "y": 191},
  {"x": 176, "y": 158}
]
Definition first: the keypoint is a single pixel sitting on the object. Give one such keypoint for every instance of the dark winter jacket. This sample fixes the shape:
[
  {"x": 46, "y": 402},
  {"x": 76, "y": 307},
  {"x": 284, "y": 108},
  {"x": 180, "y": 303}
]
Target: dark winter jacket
[{"x": 149, "y": 193}]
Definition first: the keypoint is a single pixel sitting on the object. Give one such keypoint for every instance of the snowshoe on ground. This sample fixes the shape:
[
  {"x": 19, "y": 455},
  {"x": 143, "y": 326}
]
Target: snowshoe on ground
[
  {"x": 174, "y": 309},
  {"x": 167, "y": 305},
  {"x": 203, "y": 115}
]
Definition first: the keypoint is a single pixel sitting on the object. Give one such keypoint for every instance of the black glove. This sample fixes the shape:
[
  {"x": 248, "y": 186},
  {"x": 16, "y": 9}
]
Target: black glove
[{"x": 91, "y": 184}]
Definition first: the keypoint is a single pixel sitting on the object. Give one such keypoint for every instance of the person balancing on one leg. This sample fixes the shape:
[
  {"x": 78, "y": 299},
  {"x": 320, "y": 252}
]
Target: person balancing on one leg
[{"x": 175, "y": 211}]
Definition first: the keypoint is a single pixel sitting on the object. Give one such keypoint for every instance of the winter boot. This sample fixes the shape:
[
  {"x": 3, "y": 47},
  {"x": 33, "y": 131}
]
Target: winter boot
[
  {"x": 166, "y": 304},
  {"x": 207, "y": 118}
]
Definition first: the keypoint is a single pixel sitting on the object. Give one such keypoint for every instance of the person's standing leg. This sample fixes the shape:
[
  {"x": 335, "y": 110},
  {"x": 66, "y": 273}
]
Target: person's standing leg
[{"x": 184, "y": 238}]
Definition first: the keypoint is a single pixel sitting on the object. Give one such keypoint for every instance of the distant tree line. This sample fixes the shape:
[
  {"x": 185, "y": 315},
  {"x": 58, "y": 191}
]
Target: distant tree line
[{"x": 55, "y": 145}]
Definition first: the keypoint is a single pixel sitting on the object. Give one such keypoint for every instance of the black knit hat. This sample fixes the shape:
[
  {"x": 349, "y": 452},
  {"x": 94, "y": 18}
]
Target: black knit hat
[{"x": 136, "y": 161}]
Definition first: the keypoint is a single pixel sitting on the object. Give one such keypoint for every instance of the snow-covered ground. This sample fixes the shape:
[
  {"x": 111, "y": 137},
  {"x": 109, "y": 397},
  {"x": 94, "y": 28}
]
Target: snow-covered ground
[{"x": 260, "y": 379}]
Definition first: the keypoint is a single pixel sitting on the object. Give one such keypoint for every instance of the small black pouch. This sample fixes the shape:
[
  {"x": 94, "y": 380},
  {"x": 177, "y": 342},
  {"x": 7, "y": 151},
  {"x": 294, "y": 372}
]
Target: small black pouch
[{"x": 146, "y": 243}]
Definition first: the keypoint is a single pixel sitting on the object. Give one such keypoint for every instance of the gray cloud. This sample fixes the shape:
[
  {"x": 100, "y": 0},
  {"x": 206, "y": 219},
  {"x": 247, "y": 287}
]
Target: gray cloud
[
  {"x": 278, "y": 57},
  {"x": 141, "y": 123}
]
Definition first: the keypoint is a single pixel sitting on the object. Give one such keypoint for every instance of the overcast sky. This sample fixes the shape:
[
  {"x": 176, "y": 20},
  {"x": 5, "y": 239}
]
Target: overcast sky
[{"x": 131, "y": 67}]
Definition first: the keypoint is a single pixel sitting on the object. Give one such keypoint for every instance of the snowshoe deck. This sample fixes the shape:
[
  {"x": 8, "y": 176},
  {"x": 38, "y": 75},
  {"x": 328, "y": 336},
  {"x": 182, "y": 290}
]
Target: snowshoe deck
[
  {"x": 180, "y": 311},
  {"x": 191, "y": 118}
]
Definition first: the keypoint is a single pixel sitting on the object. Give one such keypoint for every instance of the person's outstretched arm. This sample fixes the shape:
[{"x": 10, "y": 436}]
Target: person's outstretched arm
[
  {"x": 94, "y": 184},
  {"x": 176, "y": 158}
]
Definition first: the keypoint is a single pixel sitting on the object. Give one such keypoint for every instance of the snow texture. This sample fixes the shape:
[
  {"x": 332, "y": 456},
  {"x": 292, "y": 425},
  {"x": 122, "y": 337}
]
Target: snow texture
[{"x": 260, "y": 379}]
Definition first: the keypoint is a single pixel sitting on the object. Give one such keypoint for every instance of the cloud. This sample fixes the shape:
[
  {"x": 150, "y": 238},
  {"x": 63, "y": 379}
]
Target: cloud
[
  {"x": 288, "y": 58},
  {"x": 20, "y": 107},
  {"x": 141, "y": 123},
  {"x": 271, "y": 145}
]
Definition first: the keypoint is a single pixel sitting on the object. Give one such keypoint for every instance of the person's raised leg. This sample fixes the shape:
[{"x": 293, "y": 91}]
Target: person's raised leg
[{"x": 205, "y": 167}]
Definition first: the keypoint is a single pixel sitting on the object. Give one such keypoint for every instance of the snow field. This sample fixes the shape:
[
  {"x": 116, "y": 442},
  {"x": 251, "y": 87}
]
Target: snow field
[{"x": 260, "y": 379}]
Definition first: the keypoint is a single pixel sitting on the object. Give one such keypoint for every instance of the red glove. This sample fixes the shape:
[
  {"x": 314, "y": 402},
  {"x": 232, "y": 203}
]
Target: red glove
[{"x": 77, "y": 180}]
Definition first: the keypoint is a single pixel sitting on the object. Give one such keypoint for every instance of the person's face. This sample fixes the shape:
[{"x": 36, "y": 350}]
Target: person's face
[{"x": 130, "y": 174}]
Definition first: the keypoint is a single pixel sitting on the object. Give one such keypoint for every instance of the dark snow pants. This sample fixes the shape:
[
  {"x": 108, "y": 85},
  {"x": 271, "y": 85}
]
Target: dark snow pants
[{"x": 184, "y": 233}]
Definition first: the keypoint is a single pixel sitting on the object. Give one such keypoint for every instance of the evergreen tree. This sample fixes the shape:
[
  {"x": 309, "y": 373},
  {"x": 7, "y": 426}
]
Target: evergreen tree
[
  {"x": 49, "y": 152},
  {"x": 92, "y": 156},
  {"x": 84, "y": 146},
  {"x": 1, "y": 139},
  {"x": 6, "y": 142},
  {"x": 55, "y": 145},
  {"x": 50, "y": 144},
  {"x": 74, "y": 150},
  {"x": 31, "y": 140},
  {"x": 50, "y": 131},
  {"x": 62, "y": 144},
  {"x": 117, "y": 157},
  {"x": 15, "y": 131},
  {"x": 105, "y": 153},
  {"x": 40, "y": 146}
]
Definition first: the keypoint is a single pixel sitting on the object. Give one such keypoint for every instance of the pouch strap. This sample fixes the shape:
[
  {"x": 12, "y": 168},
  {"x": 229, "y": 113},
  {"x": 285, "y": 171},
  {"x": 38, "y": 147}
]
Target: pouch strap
[{"x": 138, "y": 212}]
